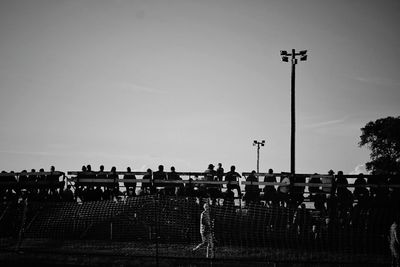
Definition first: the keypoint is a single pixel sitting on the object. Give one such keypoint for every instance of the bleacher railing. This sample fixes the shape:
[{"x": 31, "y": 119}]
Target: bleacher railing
[{"x": 13, "y": 180}]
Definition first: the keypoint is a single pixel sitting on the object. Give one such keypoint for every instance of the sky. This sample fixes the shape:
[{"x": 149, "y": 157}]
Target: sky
[{"x": 186, "y": 83}]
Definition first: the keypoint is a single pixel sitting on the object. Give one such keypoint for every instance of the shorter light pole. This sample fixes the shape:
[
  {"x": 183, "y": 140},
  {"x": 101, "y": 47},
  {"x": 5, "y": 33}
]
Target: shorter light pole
[{"x": 258, "y": 144}]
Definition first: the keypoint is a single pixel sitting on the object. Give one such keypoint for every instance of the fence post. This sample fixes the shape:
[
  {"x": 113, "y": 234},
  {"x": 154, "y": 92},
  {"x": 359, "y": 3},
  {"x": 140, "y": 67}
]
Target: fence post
[
  {"x": 111, "y": 230},
  {"x": 156, "y": 226},
  {"x": 23, "y": 220}
]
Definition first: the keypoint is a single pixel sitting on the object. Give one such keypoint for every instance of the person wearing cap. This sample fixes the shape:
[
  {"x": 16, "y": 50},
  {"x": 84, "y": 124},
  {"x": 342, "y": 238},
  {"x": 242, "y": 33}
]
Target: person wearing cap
[{"x": 212, "y": 189}]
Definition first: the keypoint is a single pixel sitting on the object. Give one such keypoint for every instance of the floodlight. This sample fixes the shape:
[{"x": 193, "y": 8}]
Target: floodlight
[
  {"x": 303, "y": 58},
  {"x": 259, "y": 144},
  {"x": 284, "y": 53},
  {"x": 303, "y": 52},
  {"x": 285, "y": 59}
]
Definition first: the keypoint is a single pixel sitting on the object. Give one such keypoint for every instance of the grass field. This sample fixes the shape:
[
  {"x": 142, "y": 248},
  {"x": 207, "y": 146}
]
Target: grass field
[{"x": 45, "y": 252}]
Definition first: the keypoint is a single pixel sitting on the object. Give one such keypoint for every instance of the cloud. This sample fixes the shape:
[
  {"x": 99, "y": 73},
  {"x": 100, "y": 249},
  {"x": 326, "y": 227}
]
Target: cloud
[
  {"x": 326, "y": 123},
  {"x": 378, "y": 81},
  {"x": 360, "y": 168}
]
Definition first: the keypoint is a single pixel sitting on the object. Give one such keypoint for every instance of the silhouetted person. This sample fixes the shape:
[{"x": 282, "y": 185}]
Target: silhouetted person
[
  {"x": 147, "y": 187},
  {"x": 394, "y": 244},
  {"x": 130, "y": 187},
  {"x": 54, "y": 175},
  {"x": 340, "y": 181},
  {"x": 220, "y": 176},
  {"x": 101, "y": 174},
  {"x": 252, "y": 194},
  {"x": 115, "y": 186},
  {"x": 270, "y": 194},
  {"x": 220, "y": 172},
  {"x": 82, "y": 173},
  {"x": 284, "y": 190},
  {"x": 361, "y": 193},
  {"x": 212, "y": 189},
  {"x": 159, "y": 175},
  {"x": 23, "y": 177},
  {"x": 42, "y": 176},
  {"x": 316, "y": 194},
  {"x": 233, "y": 176},
  {"x": 43, "y": 188},
  {"x": 206, "y": 232},
  {"x": 174, "y": 188},
  {"x": 89, "y": 173},
  {"x": 345, "y": 200}
]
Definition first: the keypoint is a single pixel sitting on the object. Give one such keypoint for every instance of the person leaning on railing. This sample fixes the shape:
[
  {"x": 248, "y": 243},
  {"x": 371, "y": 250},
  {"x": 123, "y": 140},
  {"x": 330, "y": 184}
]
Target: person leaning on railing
[
  {"x": 316, "y": 194},
  {"x": 361, "y": 193},
  {"x": 270, "y": 194},
  {"x": 130, "y": 187},
  {"x": 159, "y": 175},
  {"x": 147, "y": 186},
  {"x": 345, "y": 199},
  {"x": 233, "y": 176},
  {"x": 284, "y": 190},
  {"x": 252, "y": 194},
  {"x": 212, "y": 189}
]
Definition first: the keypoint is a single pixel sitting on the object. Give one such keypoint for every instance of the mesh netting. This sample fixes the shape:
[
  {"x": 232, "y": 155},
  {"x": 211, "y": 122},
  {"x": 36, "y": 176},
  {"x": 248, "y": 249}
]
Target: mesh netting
[{"x": 168, "y": 226}]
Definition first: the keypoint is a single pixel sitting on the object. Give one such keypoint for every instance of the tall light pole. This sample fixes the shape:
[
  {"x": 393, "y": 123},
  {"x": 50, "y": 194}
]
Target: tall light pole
[
  {"x": 258, "y": 144},
  {"x": 285, "y": 58}
]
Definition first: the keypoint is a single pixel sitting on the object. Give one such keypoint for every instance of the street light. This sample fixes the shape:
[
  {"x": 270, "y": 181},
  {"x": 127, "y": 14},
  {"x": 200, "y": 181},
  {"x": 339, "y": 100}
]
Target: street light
[
  {"x": 258, "y": 144},
  {"x": 285, "y": 58}
]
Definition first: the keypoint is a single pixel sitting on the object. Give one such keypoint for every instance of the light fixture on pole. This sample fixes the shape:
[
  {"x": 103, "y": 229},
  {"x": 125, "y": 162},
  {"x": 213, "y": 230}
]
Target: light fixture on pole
[
  {"x": 258, "y": 144},
  {"x": 285, "y": 58}
]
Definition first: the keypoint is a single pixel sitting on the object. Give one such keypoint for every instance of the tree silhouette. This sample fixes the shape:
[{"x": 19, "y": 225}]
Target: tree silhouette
[{"x": 382, "y": 137}]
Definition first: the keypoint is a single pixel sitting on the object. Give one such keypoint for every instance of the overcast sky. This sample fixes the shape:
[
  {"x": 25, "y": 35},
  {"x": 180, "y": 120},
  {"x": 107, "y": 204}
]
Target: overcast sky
[{"x": 188, "y": 83}]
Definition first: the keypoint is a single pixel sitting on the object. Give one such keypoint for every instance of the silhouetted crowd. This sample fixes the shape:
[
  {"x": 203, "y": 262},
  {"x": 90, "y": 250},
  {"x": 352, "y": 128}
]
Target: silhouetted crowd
[
  {"x": 35, "y": 185},
  {"x": 330, "y": 194}
]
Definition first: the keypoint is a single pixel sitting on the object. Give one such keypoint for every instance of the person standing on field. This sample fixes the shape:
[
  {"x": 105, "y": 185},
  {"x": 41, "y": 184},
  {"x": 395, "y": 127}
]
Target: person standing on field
[
  {"x": 394, "y": 244},
  {"x": 206, "y": 232}
]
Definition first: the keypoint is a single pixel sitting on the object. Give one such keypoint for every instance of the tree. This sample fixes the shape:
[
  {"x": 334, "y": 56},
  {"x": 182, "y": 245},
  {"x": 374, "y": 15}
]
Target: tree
[{"x": 382, "y": 137}]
